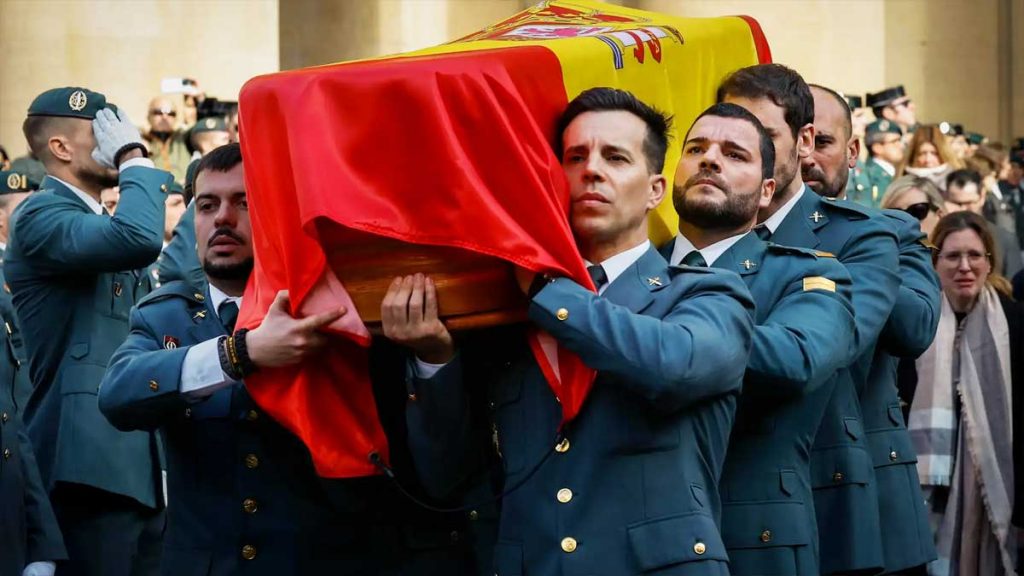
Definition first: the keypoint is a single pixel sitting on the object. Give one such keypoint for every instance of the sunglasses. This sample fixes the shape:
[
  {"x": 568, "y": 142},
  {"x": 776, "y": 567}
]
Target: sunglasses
[
  {"x": 170, "y": 113},
  {"x": 920, "y": 210}
]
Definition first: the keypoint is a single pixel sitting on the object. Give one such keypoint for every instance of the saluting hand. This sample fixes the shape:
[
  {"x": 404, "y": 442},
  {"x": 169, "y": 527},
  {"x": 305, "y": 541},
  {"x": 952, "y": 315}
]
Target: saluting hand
[
  {"x": 282, "y": 340},
  {"x": 409, "y": 317}
]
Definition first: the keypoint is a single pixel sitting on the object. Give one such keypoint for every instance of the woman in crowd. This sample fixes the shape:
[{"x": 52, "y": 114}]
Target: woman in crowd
[
  {"x": 929, "y": 156},
  {"x": 960, "y": 415},
  {"x": 916, "y": 196}
]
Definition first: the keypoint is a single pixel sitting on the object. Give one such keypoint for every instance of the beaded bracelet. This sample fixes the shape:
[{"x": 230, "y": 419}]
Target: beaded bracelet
[
  {"x": 240, "y": 344},
  {"x": 225, "y": 361}
]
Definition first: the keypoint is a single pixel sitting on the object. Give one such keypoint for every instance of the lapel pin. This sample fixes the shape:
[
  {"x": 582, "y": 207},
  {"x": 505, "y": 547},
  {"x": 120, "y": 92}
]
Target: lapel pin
[
  {"x": 200, "y": 314},
  {"x": 816, "y": 216},
  {"x": 656, "y": 281},
  {"x": 747, "y": 264}
]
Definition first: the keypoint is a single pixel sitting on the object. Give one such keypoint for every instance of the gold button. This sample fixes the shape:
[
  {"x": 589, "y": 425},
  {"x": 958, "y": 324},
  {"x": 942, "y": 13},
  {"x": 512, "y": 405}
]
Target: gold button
[
  {"x": 199, "y": 297},
  {"x": 564, "y": 495},
  {"x": 568, "y": 545},
  {"x": 163, "y": 187},
  {"x": 153, "y": 385},
  {"x": 188, "y": 412},
  {"x": 411, "y": 397},
  {"x": 251, "y": 461},
  {"x": 699, "y": 548},
  {"x": 474, "y": 515},
  {"x": 766, "y": 536},
  {"x": 252, "y": 415},
  {"x": 893, "y": 456},
  {"x": 837, "y": 477},
  {"x": 7, "y": 453},
  {"x": 248, "y": 552},
  {"x": 4, "y": 417},
  {"x": 562, "y": 314},
  {"x": 563, "y": 446},
  {"x": 249, "y": 505}
]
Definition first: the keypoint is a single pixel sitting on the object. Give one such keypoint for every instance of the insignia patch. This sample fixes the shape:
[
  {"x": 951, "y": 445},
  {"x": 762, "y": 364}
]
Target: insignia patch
[
  {"x": 656, "y": 281},
  {"x": 747, "y": 264},
  {"x": 819, "y": 283},
  {"x": 883, "y": 125},
  {"x": 78, "y": 100},
  {"x": 200, "y": 314},
  {"x": 14, "y": 181},
  {"x": 210, "y": 123},
  {"x": 118, "y": 290},
  {"x": 821, "y": 254},
  {"x": 817, "y": 216},
  {"x": 170, "y": 342}
]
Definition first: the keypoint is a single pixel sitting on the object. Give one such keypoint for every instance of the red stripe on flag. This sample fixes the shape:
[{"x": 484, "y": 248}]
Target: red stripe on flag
[{"x": 764, "y": 52}]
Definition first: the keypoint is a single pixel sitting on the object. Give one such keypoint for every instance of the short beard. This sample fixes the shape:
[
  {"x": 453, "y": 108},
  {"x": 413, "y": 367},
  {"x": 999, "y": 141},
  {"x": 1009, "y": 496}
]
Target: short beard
[
  {"x": 229, "y": 272},
  {"x": 737, "y": 211},
  {"x": 100, "y": 178},
  {"x": 835, "y": 188}
]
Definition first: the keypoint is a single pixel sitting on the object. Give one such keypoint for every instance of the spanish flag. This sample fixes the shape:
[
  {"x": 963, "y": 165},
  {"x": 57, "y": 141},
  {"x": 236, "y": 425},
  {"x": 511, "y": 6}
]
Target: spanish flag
[{"x": 452, "y": 147}]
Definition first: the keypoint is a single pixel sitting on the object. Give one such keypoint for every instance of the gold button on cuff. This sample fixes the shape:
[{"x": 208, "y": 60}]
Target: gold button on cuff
[
  {"x": 4, "y": 417},
  {"x": 248, "y": 552},
  {"x": 837, "y": 477},
  {"x": 563, "y": 446},
  {"x": 251, "y": 461},
  {"x": 474, "y": 515},
  {"x": 564, "y": 495},
  {"x": 699, "y": 548},
  {"x": 153, "y": 385},
  {"x": 766, "y": 536},
  {"x": 7, "y": 453},
  {"x": 569, "y": 545},
  {"x": 249, "y": 505},
  {"x": 893, "y": 456},
  {"x": 562, "y": 314},
  {"x": 252, "y": 415}
]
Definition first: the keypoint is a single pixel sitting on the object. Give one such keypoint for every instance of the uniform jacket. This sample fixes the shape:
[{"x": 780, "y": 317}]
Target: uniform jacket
[
  {"x": 906, "y": 536},
  {"x": 631, "y": 485},
  {"x": 236, "y": 478},
  {"x": 803, "y": 334},
  {"x": 878, "y": 180},
  {"x": 28, "y": 528},
  {"x": 179, "y": 260},
  {"x": 841, "y": 468},
  {"x": 22, "y": 384},
  {"x": 75, "y": 276},
  {"x": 861, "y": 189}
]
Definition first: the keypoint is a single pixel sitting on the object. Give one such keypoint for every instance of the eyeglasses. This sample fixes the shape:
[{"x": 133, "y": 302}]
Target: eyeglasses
[
  {"x": 889, "y": 141},
  {"x": 170, "y": 113},
  {"x": 974, "y": 257},
  {"x": 920, "y": 210}
]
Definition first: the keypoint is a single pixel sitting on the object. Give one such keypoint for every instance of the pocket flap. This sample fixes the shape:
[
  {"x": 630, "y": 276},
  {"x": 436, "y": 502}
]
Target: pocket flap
[
  {"x": 676, "y": 539},
  {"x": 508, "y": 390},
  {"x": 891, "y": 447},
  {"x": 766, "y": 524},
  {"x": 841, "y": 465},
  {"x": 853, "y": 428},
  {"x": 896, "y": 415},
  {"x": 79, "y": 350}
]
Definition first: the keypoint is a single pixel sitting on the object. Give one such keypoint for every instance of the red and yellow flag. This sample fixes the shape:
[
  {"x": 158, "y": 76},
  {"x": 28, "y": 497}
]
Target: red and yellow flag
[{"x": 448, "y": 146}]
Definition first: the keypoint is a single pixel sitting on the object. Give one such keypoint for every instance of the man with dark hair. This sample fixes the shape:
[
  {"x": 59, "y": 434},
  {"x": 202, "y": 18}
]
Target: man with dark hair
[
  {"x": 803, "y": 336},
  {"x": 827, "y": 169},
  {"x": 75, "y": 273},
  {"x": 909, "y": 330},
  {"x": 884, "y": 141},
  {"x": 965, "y": 192},
  {"x": 630, "y": 485},
  {"x": 841, "y": 469}
]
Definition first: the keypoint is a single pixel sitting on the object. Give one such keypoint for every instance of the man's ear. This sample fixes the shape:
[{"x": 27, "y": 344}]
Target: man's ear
[
  {"x": 59, "y": 149},
  {"x": 658, "y": 186},
  {"x": 853, "y": 151},
  {"x": 805, "y": 141},
  {"x": 767, "y": 193}
]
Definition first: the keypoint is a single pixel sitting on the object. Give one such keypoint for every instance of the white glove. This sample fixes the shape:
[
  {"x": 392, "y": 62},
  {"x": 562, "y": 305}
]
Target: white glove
[
  {"x": 40, "y": 569},
  {"x": 113, "y": 134}
]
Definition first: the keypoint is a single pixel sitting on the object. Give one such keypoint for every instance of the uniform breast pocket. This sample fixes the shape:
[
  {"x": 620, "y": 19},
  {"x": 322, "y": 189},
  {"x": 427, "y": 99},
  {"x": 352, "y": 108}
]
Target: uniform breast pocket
[{"x": 121, "y": 289}]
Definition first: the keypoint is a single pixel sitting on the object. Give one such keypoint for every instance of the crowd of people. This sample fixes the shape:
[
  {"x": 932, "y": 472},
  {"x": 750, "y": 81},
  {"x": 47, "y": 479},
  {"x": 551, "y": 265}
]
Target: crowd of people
[{"x": 817, "y": 375}]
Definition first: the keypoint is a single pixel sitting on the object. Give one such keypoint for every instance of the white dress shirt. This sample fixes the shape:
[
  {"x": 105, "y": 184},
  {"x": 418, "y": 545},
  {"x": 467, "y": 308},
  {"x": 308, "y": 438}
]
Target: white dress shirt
[
  {"x": 683, "y": 246},
  {"x": 775, "y": 220},
  {"x": 201, "y": 373}
]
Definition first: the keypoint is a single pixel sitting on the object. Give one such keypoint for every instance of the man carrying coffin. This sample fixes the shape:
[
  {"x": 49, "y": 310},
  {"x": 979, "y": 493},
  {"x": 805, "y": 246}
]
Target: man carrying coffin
[
  {"x": 631, "y": 484},
  {"x": 803, "y": 336},
  {"x": 243, "y": 493}
]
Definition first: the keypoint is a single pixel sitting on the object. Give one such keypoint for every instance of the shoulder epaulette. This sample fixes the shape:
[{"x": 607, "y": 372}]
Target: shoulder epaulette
[
  {"x": 782, "y": 249},
  {"x": 850, "y": 207},
  {"x": 175, "y": 289}
]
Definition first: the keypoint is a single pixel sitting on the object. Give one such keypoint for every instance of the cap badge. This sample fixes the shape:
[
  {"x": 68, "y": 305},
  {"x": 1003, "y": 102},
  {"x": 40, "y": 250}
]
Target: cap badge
[
  {"x": 210, "y": 123},
  {"x": 883, "y": 125},
  {"x": 78, "y": 101},
  {"x": 14, "y": 181}
]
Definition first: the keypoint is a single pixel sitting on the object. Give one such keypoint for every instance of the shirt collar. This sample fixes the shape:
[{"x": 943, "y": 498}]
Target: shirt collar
[
  {"x": 616, "y": 265},
  {"x": 712, "y": 252},
  {"x": 889, "y": 168},
  {"x": 775, "y": 220},
  {"x": 218, "y": 297},
  {"x": 89, "y": 200}
]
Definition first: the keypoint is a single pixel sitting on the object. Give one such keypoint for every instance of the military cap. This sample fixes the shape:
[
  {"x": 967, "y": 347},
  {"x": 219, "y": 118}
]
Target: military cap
[
  {"x": 1017, "y": 158},
  {"x": 70, "y": 102},
  {"x": 975, "y": 138},
  {"x": 885, "y": 97},
  {"x": 211, "y": 124},
  {"x": 175, "y": 188},
  {"x": 883, "y": 126},
  {"x": 951, "y": 129},
  {"x": 854, "y": 102},
  {"x": 14, "y": 181},
  {"x": 190, "y": 173}
]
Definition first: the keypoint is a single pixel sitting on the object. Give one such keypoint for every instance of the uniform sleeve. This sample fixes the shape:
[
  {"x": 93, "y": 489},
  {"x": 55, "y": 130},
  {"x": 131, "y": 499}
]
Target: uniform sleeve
[
  {"x": 179, "y": 260},
  {"x": 911, "y": 327},
  {"x": 44, "y": 540},
  {"x": 871, "y": 256},
  {"x": 697, "y": 351},
  {"x": 140, "y": 389},
  {"x": 806, "y": 336},
  {"x": 59, "y": 238}
]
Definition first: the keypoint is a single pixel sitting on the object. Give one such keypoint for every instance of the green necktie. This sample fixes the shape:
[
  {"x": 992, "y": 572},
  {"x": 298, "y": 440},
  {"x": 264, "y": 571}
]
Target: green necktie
[
  {"x": 762, "y": 232},
  {"x": 695, "y": 259}
]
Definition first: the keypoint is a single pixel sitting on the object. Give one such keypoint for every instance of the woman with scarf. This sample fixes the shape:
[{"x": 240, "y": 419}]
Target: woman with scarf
[
  {"x": 928, "y": 156},
  {"x": 961, "y": 416}
]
